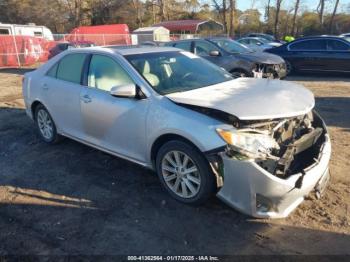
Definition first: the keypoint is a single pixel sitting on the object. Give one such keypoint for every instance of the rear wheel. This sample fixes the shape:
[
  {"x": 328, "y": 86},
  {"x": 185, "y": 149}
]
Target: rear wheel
[
  {"x": 184, "y": 172},
  {"x": 46, "y": 126}
]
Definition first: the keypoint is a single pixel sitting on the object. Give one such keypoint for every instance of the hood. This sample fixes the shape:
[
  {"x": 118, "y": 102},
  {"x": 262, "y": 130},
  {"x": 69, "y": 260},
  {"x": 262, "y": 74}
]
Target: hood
[
  {"x": 262, "y": 57},
  {"x": 251, "y": 99}
]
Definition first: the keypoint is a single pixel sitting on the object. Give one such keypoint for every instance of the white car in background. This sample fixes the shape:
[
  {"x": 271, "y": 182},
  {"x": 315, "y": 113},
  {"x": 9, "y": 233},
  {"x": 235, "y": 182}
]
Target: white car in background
[
  {"x": 258, "y": 43},
  {"x": 258, "y": 144}
]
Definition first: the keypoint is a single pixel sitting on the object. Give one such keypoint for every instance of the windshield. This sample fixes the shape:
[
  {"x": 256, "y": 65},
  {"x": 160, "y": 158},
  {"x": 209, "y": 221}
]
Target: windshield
[
  {"x": 347, "y": 38},
  {"x": 268, "y": 37},
  {"x": 170, "y": 72},
  {"x": 231, "y": 46}
]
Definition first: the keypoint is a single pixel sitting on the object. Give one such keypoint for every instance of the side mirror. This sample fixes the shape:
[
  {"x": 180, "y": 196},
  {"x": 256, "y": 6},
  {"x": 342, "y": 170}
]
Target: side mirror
[
  {"x": 127, "y": 90},
  {"x": 214, "y": 53}
]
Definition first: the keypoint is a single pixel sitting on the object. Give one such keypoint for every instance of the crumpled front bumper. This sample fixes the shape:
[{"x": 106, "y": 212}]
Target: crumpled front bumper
[
  {"x": 273, "y": 71},
  {"x": 256, "y": 192}
]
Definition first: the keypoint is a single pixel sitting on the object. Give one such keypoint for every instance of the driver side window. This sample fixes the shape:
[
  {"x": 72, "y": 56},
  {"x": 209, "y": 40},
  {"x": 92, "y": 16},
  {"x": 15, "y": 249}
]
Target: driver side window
[
  {"x": 203, "y": 48},
  {"x": 105, "y": 73}
]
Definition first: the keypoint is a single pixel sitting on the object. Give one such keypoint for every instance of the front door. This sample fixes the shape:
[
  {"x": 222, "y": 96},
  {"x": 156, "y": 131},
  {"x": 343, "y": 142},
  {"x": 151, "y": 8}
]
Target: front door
[
  {"x": 338, "y": 55},
  {"x": 203, "y": 49},
  {"x": 113, "y": 123}
]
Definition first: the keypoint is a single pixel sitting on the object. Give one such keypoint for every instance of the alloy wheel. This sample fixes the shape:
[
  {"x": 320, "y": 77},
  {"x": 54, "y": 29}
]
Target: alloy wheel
[
  {"x": 45, "y": 124},
  {"x": 181, "y": 174}
]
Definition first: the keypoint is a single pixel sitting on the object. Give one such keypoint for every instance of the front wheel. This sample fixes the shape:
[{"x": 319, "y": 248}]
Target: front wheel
[{"x": 184, "y": 172}]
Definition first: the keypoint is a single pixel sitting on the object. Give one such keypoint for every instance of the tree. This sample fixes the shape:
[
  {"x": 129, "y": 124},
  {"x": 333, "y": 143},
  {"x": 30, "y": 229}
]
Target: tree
[
  {"x": 138, "y": 7},
  {"x": 267, "y": 11},
  {"x": 232, "y": 17},
  {"x": 221, "y": 9},
  {"x": 277, "y": 16},
  {"x": 320, "y": 11},
  {"x": 333, "y": 15},
  {"x": 296, "y": 8}
]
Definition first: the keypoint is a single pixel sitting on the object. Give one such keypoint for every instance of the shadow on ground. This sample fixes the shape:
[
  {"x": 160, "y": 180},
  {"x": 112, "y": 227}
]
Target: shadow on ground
[{"x": 16, "y": 71}]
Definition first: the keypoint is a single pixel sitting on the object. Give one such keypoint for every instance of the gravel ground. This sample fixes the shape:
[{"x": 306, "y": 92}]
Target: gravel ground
[{"x": 72, "y": 199}]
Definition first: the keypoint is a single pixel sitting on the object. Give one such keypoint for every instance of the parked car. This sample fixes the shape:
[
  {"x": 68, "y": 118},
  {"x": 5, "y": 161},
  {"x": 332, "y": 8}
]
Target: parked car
[
  {"x": 346, "y": 36},
  {"x": 316, "y": 54},
  {"x": 268, "y": 37},
  {"x": 258, "y": 144},
  {"x": 62, "y": 46},
  {"x": 236, "y": 58},
  {"x": 257, "y": 43}
]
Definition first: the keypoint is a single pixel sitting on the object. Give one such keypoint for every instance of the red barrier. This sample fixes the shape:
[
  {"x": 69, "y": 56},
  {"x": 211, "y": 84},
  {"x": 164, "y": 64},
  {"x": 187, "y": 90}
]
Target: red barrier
[
  {"x": 18, "y": 51},
  {"x": 116, "y": 34}
]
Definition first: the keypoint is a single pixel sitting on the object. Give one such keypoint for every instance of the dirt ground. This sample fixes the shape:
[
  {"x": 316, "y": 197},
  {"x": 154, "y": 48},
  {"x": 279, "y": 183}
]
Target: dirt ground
[{"x": 72, "y": 199}]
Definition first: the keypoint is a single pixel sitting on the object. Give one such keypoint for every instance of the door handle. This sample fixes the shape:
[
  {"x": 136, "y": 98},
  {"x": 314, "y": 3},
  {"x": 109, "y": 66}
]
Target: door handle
[{"x": 86, "y": 99}]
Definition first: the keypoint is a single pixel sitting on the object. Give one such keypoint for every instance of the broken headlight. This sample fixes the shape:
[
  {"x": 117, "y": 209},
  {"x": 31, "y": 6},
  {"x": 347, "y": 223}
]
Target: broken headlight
[{"x": 250, "y": 144}]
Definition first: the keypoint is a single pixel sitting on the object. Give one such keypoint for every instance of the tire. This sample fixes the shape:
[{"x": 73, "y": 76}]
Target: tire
[
  {"x": 289, "y": 68},
  {"x": 45, "y": 125},
  {"x": 198, "y": 184}
]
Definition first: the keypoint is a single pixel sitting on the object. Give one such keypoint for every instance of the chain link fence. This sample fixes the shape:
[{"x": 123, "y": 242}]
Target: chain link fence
[{"x": 21, "y": 51}]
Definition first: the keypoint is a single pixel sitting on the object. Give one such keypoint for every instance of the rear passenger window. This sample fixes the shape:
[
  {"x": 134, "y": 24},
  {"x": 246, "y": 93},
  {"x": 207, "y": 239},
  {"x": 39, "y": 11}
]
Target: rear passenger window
[
  {"x": 70, "y": 68},
  {"x": 337, "y": 45},
  {"x": 53, "y": 71},
  {"x": 316, "y": 45},
  {"x": 184, "y": 45}
]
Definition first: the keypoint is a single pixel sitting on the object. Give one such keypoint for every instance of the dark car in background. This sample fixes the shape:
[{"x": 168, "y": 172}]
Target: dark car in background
[
  {"x": 236, "y": 58},
  {"x": 62, "y": 46},
  {"x": 316, "y": 54},
  {"x": 268, "y": 37},
  {"x": 258, "y": 43}
]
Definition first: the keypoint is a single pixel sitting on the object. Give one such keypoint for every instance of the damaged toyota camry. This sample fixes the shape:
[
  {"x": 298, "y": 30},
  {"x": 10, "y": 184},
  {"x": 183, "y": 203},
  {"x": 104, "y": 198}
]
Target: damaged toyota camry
[{"x": 258, "y": 144}]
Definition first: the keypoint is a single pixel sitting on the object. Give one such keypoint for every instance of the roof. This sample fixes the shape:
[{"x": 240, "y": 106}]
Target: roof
[
  {"x": 149, "y": 29},
  {"x": 134, "y": 50},
  {"x": 184, "y": 25},
  {"x": 320, "y": 36}
]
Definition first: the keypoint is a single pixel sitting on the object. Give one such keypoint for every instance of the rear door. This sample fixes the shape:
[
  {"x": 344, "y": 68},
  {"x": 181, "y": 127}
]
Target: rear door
[
  {"x": 61, "y": 88},
  {"x": 309, "y": 54},
  {"x": 338, "y": 53}
]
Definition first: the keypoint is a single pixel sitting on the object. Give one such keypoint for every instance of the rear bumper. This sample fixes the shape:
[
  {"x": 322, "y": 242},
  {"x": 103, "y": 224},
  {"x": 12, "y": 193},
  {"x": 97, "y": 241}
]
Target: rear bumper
[{"x": 256, "y": 192}]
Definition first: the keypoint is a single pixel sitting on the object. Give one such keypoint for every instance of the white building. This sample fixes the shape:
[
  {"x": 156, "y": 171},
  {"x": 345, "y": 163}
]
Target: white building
[
  {"x": 156, "y": 33},
  {"x": 27, "y": 30}
]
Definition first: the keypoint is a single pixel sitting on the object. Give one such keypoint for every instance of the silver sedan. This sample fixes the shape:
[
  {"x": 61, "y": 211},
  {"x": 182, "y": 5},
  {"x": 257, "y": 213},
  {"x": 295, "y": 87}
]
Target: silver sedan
[{"x": 255, "y": 143}]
